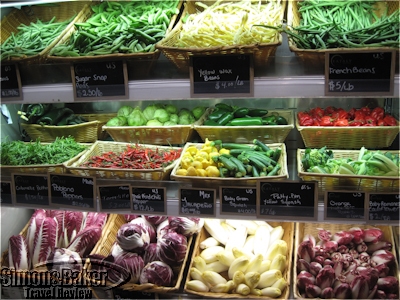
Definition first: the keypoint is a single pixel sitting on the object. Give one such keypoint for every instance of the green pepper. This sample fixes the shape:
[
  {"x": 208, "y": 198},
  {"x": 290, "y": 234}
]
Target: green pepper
[
  {"x": 54, "y": 116},
  {"x": 210, "y": 123},
  {"x": 37, "y": 110},
  {"x": 247, "y": 121},
  {"x": 270, "y": 120},
  {"x": 255, "y": 112},
  {"x": 241, "y": 112},
  {"x": 224, "y": 106},
  {"x": 216, "y": 114},
  {"x": 225, "y": 118},
  {"x": 281, "y": 120}
]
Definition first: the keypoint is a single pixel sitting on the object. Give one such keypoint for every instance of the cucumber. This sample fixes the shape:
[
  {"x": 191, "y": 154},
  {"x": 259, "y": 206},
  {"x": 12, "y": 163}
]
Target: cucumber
[
  {"x": 261, "y": 157},
  {"x": 261, "y": 145},
  {"x": 275, "y": 170},
  {"x": 231, "y": 166},
  {"x": 237, "y": 146},
  {"x": 277, "y": 154},
  {"x": 257, "y": 163},
  {"x": 239, "y": 165}
]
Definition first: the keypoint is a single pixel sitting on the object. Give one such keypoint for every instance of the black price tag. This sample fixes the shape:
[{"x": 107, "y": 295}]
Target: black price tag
[
  {"x": 6, "y": 195},
  {"x": 149, "y": 200},
  {"x": 114, "y": 197},
  {"x": 238, "y": 200},
  {"x": 100, "y": 80},
  {"x": 73, "y": 191},
  {"x": 359, "y": 73},
  {"x": 10, "y": 82},
  {"x": 198, "y": 202},
  {"x": 345, "y": 205},
  {"x": 287, "y": 199},
  {"x": 384, "y": 207},
  {"x": 32, "y": 190},
  {"x": 221, "y": 74}
]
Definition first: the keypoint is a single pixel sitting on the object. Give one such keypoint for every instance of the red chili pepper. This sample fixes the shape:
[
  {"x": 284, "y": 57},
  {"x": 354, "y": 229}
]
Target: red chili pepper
[
  {"x": 341, "y": 122},
  {"x": 390, "y": 120},
  {"x": 326, "y": 121},
  {"x": 305, "y": 119},
  {"x": 370, "y": 121},
  {"x": 355, "y": 123},
  {"x": 366, "y": 110},
  {"x": 378, "y": 113}
]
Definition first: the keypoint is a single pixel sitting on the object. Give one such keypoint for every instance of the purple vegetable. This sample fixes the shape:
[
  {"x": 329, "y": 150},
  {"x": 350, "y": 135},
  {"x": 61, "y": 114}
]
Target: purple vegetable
[
  {"x": 305, "y": 251},
  {"x": 342, "y": 291},
  {"x": 163, "y": 228},
  {"x": 132, "y": 262},
  {"x": 171, "y": 248},
  {"x": 325, "y": 277},
  {"x": 359, "y": 287},
  {"x": 186, "y": 225},
  {"x": 372, "y": 235},
  {"x": 133, "y": 237},
  {"x": 158, "y": 273},
  {"x": 302, "y": 265},
  {"x": 59, "y": 215},
  {"x": 130, "y": 217},
  {"x": 327, "y": 293},
  {"x": 147, "y": 226},
  {"x": 379, "y": 245},
  {"x": 342, "y": 237},
  {"x": 330, "y": 246},
  {"x": 62, "y": 258},
  {"x": 362, "y": 247},
  {"x": 95, "y": 219},
  {"x": 18, "y": 253},
  {"x": 358, "y": 234},
  {"x": 34, "y": 228},
  {"x": 388, "y": 284},
  {"x": 85, "y": 240},
  {"x": 155, "y": 220},
  {"x": 324, "y": 235},
  {"x": 382, "y": 257},
  {"x": 72, "y": 225},
  {"x": 304, "y": 278},
  {"x": 315, "y": 267},
  {"x": 46, "y": 241},
  {"x": 312, "y": 291},
  {"x": 150, "y": 254}
]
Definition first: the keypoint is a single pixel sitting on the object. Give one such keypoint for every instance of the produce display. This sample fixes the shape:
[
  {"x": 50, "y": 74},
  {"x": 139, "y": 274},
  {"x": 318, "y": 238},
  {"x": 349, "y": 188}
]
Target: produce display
[
  {"x": 32, "y": 39},
  {"x": 347, "y": 264},
  {"x": 240, "y": 257},
  {"x": 368, "y": 162},
  {"x": 46, "y": 114},
  {"x": 227, "y": 115},
  {"x": 150, "y": 249},
  {"x": 348, "y": 24},
  {"x": 219, "y": 159},
  {"x": 138, "y": 157},
  {"x": 332, "y": 116},
  {"x": 57, "y": 239},
  {"x": 231, "y": 23},
  {"x": 17, "y": 153},
  {"x": 119, "y": 27},
  {"x": 156, "y": 115}
]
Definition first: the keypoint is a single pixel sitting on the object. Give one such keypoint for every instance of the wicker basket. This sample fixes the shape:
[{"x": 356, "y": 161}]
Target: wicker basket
[
  {"x": 87, "y": 132},
  {"x": 142, "y": 63},
  {"x": 287, "y": 237},
  {"x": 104, "y": 247},
  {"x": 39, "y": 169},
  {"x": 316, "y": 57},
  {"x": 180, "y": 57},
  {"x": 328, "y": 182},
  {"x": 230, "y": 181},
  {"x": 62, "y": 11},
  {"x": 349, "y": 137},
  {"x": 100, "y": 147},
  {"x": 246, "y": 134},
  {"x": 302, "y": 229}
]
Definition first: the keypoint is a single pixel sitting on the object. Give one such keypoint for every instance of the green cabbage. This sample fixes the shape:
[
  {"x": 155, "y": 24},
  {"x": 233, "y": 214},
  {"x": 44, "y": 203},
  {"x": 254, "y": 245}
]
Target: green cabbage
[
  {"x": 149, "y": 111},
  {"x": 154, "y": 123},
  {"x": 137, "y": 118},
  {"x": 170, "y": 123},
  {"x": 161, "y": 115},
  {"x": 171, "y": 109},
  {"x": 174, "y": 118},
  {"x": 124, "y": 111},
  {"x": 198, "y": 112},
  {"x": 117, "y": 121}
]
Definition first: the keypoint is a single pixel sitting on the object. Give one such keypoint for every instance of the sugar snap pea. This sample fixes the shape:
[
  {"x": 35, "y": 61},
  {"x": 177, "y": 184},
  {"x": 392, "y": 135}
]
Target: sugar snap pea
[{"x": 120, "y": 27}]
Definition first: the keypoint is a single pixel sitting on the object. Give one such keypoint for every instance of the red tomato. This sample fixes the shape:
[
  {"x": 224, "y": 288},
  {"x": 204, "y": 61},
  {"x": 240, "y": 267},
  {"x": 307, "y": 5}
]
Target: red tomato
[
  {"x": 341, "y": 122},
  {"x": 326, "y": 121}
]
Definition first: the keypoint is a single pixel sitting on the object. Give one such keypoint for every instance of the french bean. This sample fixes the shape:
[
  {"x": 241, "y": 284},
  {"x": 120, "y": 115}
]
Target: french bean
[
  {"x": 121, "y": 27},
  {"x": 350, "y": 24}
]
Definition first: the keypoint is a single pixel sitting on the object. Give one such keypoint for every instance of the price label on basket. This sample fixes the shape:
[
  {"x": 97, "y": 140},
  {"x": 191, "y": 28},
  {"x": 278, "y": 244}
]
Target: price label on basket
[
  {"x": 100, "y": 80},
  {"x": 216, "y": 75},
  {"x": 197, "y": 202},
  {"x": 31, "y": 190},
  {"x": 10, "y": 82},
  {"x": 359, "y": 73},
  {"x": 238, "y": 200},
  {"x": 287, "y": 199},
  {"x": 149, "y": 200},
  {"x": 71, "y": 191},
  {"x": 384, "y": 207},
  {"x": 114, "y": 197},
  {"x": 341, "y": 205},
  {"x": 5, "y": 193}
]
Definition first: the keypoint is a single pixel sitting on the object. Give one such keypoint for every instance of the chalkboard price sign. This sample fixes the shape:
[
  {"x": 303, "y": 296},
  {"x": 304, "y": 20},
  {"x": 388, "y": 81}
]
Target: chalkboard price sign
[
  {"x": 148, "y": 200},
  {"x": 10, "y": 82},
  {"x": 198, "y": 202},
  {"x": 100, "y": 79},
  {"x": 31, "y": 190},
  {"x": 221, "y": 74},
  {"x": 384, "y": 207},
  {"x": 345, "y": 205},
  {"x": 5, "y": 196},
  {"x": 114, "y": 197},
  {"x": 359, "y": 73},
  {"x": 72, "y": 191},
  {"x": 238, "y": 200},
  {"x": 287, "y": 199}
]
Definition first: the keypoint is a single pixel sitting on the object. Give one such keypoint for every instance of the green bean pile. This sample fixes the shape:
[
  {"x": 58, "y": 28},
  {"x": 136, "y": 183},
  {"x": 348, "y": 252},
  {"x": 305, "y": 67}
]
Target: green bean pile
[
  {"x": 349, "y": 24},
  {"x": 120, "y": 27},
  {"x": 32, "y": 39}
]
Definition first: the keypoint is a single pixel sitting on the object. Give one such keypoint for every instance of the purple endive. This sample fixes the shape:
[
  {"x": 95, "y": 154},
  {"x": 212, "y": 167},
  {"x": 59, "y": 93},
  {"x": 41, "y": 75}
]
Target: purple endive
[
  {"x": 379, "y": 245},
  {"x": 388, "y": 284},
  {"x": 158, "y": 273},
  {"x": 372, "y": 235},
  {"x": 85, "y": 240},
  {"x": 312, "y": 291},
  {"x": 186, "y": 225},
  {"x": 327, "y": 293},
  {"x": 342, "y": 237},
  {"x": 342, "y": 291},
  {"x": 304, "y": 278},
  {"x": 150, "y": 254},
  {"x": 154, "y": 219},
  {"x": 63, "y": 258},
  {"x": 325, "y": 277},
  {"x": 133, "y": 237},
  {"x": 18, "y": 253},
  {"x": 305, "y": 250},
  {"x": 132, "y": 262},
  {"x": 382, "y": 257},
  {"x": 359, "y": 287},
  {"x": 172, "y": 248},
  {"x": 147, "y": 226}
]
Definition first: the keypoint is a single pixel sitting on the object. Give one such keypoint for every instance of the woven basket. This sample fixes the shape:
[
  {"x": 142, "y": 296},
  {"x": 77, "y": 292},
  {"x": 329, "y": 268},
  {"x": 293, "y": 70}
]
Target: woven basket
[
  {"x": 142, "y": 63},
  {"x": 287, "y": 237},
  {"x": 100, "y": 147},
  {"x": 87, "y": 132},
  {"x": 39, "y": 169},
  {"x": 349, "y": 137},
  {"x": 328, "y": 182},
  {"x": 62, "y": 11},
  {"x": 246, "y": 134},
  {"x": 302, "y": 229},
  {"x": 230, "y": 181},
  {"x": 316, "y": 57},
  {"x": 104, "y": 247},
  {"x": 180, "y": 57}
]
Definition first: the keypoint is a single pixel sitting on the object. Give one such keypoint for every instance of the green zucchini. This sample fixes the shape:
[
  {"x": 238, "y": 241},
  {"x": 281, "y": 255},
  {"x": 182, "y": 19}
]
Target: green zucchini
[
  {"x": 239, "y": 165},
  {"x": 255, "y": 112},
  {"x": 261, "y": 145},
  {"x": 231, "y": 166},
  {"x": 237, "y": 146}
]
